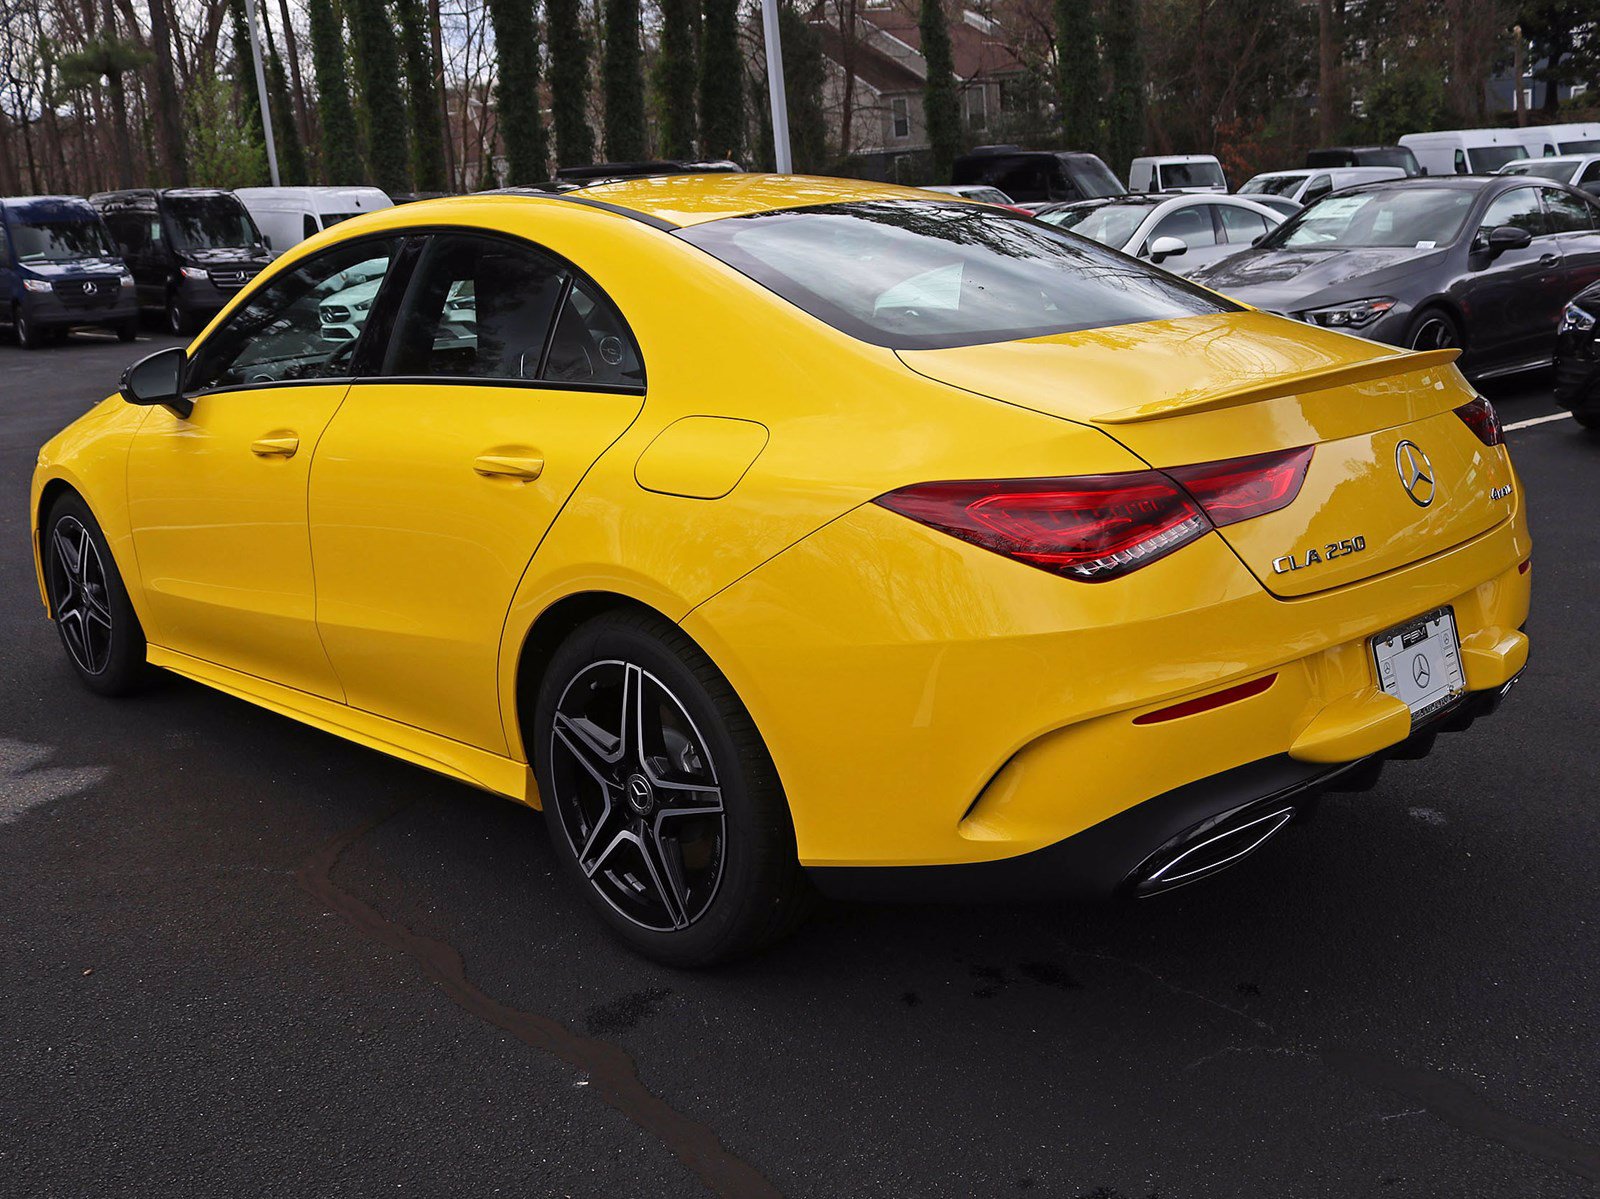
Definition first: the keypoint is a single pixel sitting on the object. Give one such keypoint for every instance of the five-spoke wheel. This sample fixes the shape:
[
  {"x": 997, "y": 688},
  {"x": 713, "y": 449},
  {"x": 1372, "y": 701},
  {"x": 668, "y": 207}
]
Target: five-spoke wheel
[{"x": 98, "y": 628}]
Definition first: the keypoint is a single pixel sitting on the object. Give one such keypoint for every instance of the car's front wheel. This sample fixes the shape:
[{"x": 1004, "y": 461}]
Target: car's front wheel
[
  {"x": 29, "y": 335},
  {"x": 1435, "y": 329},
  {"x": 661, "y": 799},
  {"x": 98, "y": 628},
  {"x": 179, "y": 322}
]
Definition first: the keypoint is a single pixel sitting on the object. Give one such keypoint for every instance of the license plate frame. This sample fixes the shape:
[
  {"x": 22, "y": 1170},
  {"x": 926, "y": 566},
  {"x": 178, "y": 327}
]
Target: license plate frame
[{"x": 1419, "y": 663}]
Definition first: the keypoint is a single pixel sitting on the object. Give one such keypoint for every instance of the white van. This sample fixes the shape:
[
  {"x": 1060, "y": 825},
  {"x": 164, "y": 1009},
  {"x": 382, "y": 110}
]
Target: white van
[
  {"x": 1465, "y": 151},
  {"x": 287, "y": 216},
  {"x": 1304, "y": 186},
  {"x": 1549, "y": 141},
  {"x": 1177, "y": 173}
]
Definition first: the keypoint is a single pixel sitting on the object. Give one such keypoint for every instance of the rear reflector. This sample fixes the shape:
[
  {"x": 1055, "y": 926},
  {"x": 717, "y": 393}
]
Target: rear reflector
[
  {"x": 1483, "y": 420},
  {"x": 1204, "y": 703},
  {"x": 1099, "y": 527},
  {"x": 1238, "y": 488}
]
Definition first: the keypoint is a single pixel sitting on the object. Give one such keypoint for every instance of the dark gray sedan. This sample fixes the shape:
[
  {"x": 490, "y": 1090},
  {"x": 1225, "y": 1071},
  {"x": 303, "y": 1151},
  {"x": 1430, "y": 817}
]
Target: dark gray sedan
[{"x": 1481, "y": 262}]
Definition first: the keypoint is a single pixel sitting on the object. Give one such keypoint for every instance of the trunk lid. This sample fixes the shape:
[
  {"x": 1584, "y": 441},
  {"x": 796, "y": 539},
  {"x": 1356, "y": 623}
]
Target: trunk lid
[{"x": 1206, "y": 388}]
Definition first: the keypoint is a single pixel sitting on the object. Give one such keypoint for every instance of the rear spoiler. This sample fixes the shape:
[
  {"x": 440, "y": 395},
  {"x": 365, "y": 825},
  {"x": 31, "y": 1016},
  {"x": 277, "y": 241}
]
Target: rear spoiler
[{"x": 1288, "y": 385}]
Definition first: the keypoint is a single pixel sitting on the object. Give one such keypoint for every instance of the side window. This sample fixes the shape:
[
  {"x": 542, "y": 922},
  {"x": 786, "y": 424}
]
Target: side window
[
  {"x": 1519, "y": 207},
  {"x": 1567, "y": 213},
  {"x": 1241, "y": 225},
  {"x": 1191, "y": 226},
  {"x": 1461, "y": 162},
  {"x": 477, "y": 308},
  {"x": 592, "y": 343},
  {"x": 1591, "y": 173},
  {"x": 1319, "y": 186},
  {"x": 308, "y": 226},
  {"x": 301, "y": 325}
]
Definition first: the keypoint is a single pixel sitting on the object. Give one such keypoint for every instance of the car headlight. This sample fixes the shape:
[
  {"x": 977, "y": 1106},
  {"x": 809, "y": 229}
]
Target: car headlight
[
  {"x": 1354, "y": 315},
  {"x": 36, "y": 284},
  {"x": 127, "y": 279},
  {"x": 1575, "y": 320},
  {"x": 195, "y": 272}
]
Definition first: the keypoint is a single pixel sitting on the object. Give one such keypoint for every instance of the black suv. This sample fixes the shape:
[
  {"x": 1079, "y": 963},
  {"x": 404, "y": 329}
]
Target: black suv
[
  {"x": 1364, "y": 156},
  {"x": 1038, "y": 176},
  {"x": 190, "y": 249}
]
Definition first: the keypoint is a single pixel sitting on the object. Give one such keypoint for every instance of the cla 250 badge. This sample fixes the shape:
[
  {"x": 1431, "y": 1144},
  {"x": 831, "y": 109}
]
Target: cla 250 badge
[{"x": 1334, "y": 549}]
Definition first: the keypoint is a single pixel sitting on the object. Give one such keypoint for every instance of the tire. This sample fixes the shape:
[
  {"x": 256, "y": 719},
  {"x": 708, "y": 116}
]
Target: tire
[
  {"x": 179, "y": 322},
  {"x": 97, "y": 625},
  {"x": 128, "y": 330},
  {"x": 29, "y": 335},
  {"x": 1587, "y": 418},
  {"x": 1434, "y": 328},
  {"x": 680, "y": 840}
]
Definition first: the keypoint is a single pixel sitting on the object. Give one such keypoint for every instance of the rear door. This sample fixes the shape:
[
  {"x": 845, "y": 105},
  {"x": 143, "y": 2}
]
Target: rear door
[
  {"x": 507, "y": 375},
  {"x": 1574, "y": 227}
]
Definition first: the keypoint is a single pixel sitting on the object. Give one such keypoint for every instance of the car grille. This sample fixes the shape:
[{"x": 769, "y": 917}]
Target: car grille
[
  {"x": 335, "y": 314},
  {"x": 86, "y": 293},
  {"x": 231, "y": 278}
]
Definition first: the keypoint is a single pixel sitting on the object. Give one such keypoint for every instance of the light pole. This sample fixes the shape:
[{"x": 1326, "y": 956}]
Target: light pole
[
  {"x": 261, "y": 91},
  {"x": 780, "y": 102}
]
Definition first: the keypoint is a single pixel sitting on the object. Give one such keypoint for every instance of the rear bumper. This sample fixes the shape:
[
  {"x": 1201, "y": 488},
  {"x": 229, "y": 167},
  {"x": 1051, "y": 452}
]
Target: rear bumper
[{"x": 1178, "y": 837}]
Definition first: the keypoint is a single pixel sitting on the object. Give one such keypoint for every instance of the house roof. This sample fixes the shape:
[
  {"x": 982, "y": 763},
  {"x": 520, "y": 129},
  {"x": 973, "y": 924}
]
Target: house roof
[
  {"x": 870, "y": 65},
  {"x": 976, "y": 41}
]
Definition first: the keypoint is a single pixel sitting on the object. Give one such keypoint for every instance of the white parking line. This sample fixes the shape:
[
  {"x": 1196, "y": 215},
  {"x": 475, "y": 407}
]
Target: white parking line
[{"x": 1538, "y": 420}]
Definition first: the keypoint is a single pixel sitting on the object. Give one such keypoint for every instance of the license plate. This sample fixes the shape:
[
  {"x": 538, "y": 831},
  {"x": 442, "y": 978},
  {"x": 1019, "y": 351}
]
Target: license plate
[{"x": 1419, "y": 663}]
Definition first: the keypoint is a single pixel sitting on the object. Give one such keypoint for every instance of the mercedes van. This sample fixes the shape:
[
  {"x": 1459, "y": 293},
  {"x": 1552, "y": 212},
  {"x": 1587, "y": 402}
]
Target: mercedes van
[{"x": 58, "y": 269}]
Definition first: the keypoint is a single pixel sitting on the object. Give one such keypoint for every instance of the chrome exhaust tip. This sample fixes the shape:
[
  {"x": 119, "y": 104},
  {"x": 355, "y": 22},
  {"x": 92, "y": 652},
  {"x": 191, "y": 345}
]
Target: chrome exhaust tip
[{"x": 1212, "y": 846}]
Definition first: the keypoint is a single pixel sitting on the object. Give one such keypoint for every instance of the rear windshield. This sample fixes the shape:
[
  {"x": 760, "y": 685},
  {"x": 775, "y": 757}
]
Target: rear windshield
[
  {"x": 1191, "y": 174},
  {"x": 40, "y": 240},
  {"x": 914, "y": 275},
  {"x": 1546, "y": 167},
  {"x": 1581, "y": 147},
  {"x": 1424, "y": 217},
  {"x": 1272, "y": 185},
  {"x": 1109, "y": 224},
  {"x": 1488, "y": 159},
  {"x": 1388, "y": 156},
  {"x": 1093, "y": 178},
  {"x": 211, "y": 223}
]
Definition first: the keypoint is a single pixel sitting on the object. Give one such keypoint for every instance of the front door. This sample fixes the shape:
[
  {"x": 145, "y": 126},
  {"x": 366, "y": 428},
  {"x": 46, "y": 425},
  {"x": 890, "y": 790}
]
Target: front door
[
  {"x": 1515, "y": 297},
  {"x": 507, "y": 375},
  {"x": 217, "y": 499}
]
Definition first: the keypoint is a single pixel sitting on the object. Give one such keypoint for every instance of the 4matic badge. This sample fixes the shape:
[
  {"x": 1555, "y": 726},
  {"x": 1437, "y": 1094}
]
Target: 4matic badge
[{"x": 1334, "y": 549}]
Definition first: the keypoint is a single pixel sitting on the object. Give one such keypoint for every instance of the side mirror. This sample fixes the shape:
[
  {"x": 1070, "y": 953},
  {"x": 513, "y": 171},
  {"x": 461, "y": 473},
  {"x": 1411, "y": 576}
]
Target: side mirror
[
  {"x": 266, "y": 240},
  {"x": 1167, "y": 247},
  {"x": 157, "y": 380},
  {"x": 1508, "y": 237},
  {"x": 1592, "y": 187}
]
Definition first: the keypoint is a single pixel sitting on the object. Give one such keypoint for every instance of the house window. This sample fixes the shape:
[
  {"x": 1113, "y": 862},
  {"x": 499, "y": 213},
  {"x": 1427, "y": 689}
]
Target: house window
[
  {"x": 978, "y": 107},
  {"x": 900, "y": 112}
]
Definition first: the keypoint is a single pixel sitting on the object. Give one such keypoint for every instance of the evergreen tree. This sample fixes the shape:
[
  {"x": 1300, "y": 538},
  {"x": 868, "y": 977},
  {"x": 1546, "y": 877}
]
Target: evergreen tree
[
  {"x": 516, "y": 93},
  {"x": 244, "y": 75},
  {"x": 802, "y": 84},
  {"x": 292, "y": 168},
  {"x": 940, "y": 108},
  {"x": 378, "y": 68},
  {"x": 427, "y": 123},
  {"x": 622, "y": 76},
  {"x": 569, "y": 83},
  {"x": 220, "y": 149},
  {"x": 1125, "y": 104},
  {"x": 675, "y": 77},
  {"x": 1078, "y": 62},
  {"x": 721, "y": 81},
  {"x": 341, "y": 150}
]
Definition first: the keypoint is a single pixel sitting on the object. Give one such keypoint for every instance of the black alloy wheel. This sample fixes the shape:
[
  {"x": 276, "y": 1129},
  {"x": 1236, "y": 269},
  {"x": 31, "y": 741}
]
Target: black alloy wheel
[
  {"x": 1435, "y": 329},
  {"x": 97, "y": 625}
]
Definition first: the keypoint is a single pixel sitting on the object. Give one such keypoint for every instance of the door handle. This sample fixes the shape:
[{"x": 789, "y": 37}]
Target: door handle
[
  {"x": 1549, "y": 259},
  {"x": 275, "y": 447},
  {"x": 509, "y": 467}
]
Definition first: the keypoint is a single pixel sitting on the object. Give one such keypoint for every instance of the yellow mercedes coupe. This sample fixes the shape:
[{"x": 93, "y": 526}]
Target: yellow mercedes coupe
[{"x": 778, "y": 534}]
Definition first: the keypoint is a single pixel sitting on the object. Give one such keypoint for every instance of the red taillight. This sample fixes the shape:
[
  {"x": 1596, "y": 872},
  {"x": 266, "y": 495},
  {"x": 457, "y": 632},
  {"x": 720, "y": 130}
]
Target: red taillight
[
  {"x": 1091, "y": 528},
  {"x": 1239, "y": 488},
  {"x": 1099, "y": 527},
  {"x": 1483, "y": 420}
]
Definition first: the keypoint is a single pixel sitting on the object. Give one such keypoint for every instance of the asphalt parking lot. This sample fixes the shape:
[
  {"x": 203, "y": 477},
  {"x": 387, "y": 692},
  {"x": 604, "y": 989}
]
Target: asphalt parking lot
[{"x": 238, "y": 956}]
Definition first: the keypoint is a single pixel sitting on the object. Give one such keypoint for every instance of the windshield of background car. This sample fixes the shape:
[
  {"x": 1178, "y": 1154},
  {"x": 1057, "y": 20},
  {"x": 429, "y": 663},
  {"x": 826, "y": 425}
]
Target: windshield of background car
[
  {"x": 1093, "y": 178},
  {"x": 1415, "y": 216},
  {"x": 211, "y": 223},
  {"x": 1548, "y": 168},
  {"x": 1109, "y": 224},
  {"x": 1580, "y": 147},
  {"x": 912, "y": 275},
  {"x": 38, "y": 240},
  {"x": 1398, "y": 157},
  {"x": 1191, "y": 174},
  {"x": 1272, "y": 185},
  {"x": 1486, "y": 160}
]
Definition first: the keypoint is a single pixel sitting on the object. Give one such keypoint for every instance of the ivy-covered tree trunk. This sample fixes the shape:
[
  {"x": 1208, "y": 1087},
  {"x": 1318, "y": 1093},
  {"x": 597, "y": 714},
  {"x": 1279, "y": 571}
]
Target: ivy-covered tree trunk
[
  {"x": 1078, "y": 78},
  {"x": 940, "y": 108},
  {"x": 341, "y": 148},
  {"x": 516, "y": 39},
  {"x": 1125, "y": 103},
  {"x": 292, "y": 169},
  {"x": 622, "y": 73},
  {"x": 721, "y": 81},
  {"x": 675, "y": 77},
  {"x": 168, "y": 114},
  {"x": 802, "y": 84},
  {"x": 244, "y": 74},
  {"x": 427, "y": 124},
  {"x": 378, "y": 68},
  {"x": 569, "y": 83}
]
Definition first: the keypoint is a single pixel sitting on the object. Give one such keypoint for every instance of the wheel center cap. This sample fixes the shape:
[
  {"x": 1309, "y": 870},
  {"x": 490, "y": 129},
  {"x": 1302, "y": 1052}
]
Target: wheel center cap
[{"x": 641, "y": 795}]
